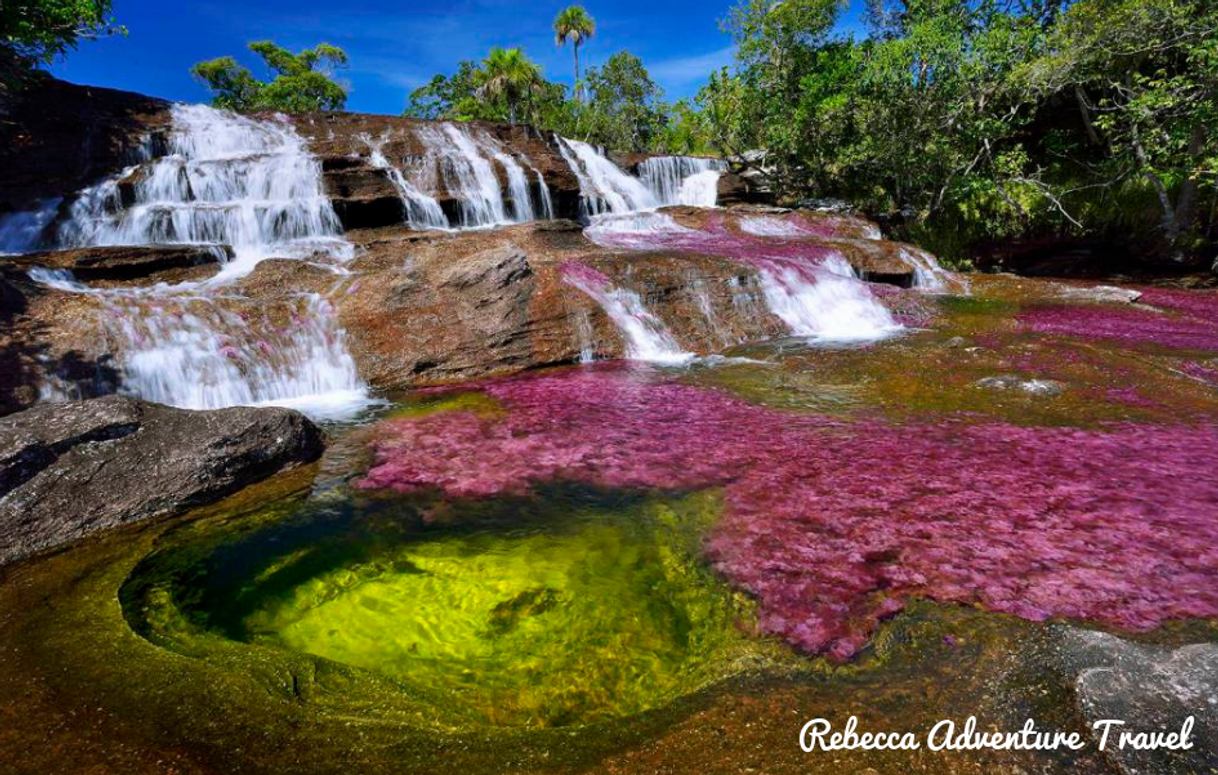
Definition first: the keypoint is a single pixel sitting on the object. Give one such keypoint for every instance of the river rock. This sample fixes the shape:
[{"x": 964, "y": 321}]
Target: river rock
[
  {"x": 1151, "y": 689},
  {"x": 71, "y": 469}
]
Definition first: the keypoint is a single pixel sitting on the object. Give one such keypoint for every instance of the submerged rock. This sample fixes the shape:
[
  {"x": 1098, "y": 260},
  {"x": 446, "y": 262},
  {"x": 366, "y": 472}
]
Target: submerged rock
[
  {"x": 1036, "y": 387},
  {"x": 70, "y": 469}
]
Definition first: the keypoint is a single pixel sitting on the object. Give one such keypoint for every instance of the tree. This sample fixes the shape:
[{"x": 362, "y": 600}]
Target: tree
[
  {"x": 624, "y": 104},
  {"x": 509, "y": 74},
  {"x": 1145, "y": 76},
  {"x": 35, "y": 32},
  {"x": 574, "y": 24},
  {"x": 302, "y": 82}
]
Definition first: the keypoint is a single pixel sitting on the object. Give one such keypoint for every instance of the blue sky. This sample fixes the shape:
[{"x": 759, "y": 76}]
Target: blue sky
[{"x": 395, "y": 47}]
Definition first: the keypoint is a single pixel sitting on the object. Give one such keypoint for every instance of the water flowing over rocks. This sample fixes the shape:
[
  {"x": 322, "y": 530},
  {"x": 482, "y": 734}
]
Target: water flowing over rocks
[{"x": 67, "y": 470}]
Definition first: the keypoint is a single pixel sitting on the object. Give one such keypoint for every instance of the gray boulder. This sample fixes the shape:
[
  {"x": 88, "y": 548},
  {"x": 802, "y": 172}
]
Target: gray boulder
[{"x": 71, "y": 469}]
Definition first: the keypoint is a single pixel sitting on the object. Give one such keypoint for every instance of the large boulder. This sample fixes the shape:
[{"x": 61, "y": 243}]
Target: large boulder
[{"x": 70, "y": 469}]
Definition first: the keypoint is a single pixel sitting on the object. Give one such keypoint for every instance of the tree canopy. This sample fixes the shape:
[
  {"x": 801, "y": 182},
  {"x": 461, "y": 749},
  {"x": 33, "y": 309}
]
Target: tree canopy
[
  {"x": 35, "y": 32},
  {"x": 302, "y": 81}
]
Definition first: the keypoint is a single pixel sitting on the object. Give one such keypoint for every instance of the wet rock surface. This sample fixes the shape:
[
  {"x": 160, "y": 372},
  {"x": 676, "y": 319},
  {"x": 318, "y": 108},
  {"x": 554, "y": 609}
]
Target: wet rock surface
[
  {"x": 70, "y": 469},
  {"x": 125, "y": 263},
  {"x": 1149, "y": 689}
]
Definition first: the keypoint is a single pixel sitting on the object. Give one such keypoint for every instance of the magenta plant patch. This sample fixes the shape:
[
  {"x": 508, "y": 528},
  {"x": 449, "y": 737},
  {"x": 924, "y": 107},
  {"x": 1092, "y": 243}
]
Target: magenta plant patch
[
  {"x": 1188, "y": 320},
  {"x": 833, "y": 525}
]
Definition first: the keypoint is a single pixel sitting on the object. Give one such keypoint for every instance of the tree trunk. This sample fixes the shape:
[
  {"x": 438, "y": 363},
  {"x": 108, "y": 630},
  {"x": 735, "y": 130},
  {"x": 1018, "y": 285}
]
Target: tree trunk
[
  {"x": 1085, "y": 112},
  {"x": 1169, "y": 212},
  {"x": 1186, "y": 204},
  {"x": 576, "y": 88}
]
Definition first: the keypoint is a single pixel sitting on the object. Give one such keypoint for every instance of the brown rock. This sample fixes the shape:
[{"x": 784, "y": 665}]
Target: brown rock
[{"x": 124, "y": 263}]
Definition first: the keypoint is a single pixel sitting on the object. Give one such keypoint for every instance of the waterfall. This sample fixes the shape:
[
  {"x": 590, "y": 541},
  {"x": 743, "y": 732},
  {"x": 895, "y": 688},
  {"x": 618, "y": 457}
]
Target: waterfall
[
  {"x": 422, "y": 211},
  {"x": 826, "y": 303},
  {"x": 232, "y": 180},
  {"x": 468, "y": 176},
  {"x": 929, "y": 275},
  {"x": 228, "y": 179},
  {"x": 810, "y": 287},
  {"x": 682, "y": 180},
  {"x": 518, "y": 182},
  {"x": 604, "y": 188},
  {"x": 25, "y": 231},
  {"x": 187, "y": 349},
  {"x": 547, "y": 204},
  {"x": 765, "y": 226},
  {"x": 647, "y": 338}
]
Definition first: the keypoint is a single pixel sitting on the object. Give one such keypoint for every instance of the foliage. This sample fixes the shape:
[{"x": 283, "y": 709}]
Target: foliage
[
  {"x": 509, "y": 75},
  {"x": 36, "y": 32},
  {"x": 302, "y": 82},
  {"x": 624, "y": 105},
  {"x": 982, "y": 120}
]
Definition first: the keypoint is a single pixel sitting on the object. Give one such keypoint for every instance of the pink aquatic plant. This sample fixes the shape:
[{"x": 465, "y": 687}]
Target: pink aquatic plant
[
  {"x": 1189, "y": 320},
  {"x": 1202, "y": 372},
  {"x": 834, "y": 525}
]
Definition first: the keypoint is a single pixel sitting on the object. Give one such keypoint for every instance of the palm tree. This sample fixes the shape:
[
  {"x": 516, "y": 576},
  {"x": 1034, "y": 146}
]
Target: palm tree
[
  {"x": 576, "y": 25},
  {"x": 508, "y": 73}
]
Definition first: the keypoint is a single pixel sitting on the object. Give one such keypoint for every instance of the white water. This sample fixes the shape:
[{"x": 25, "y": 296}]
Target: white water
[
  {"x": 422, "y": 211},
  {"x": 929, "y": 275},
  {"x": 250, "y": 184},
  {"x": 547, "y": 204},
  {"x": 682, "y": 180},
  {"x": 834, "y": 307},
  {"x": 23, "y": 232},
  {"x": 604, "y": 188},
  {"x": 467, "y": 175},
  {"x": 700, "y": 190},
  {"x": 518, "y": 182},
  {"x": 823, "y": 302},
  {"x": 765, "y": 226},
  {"x": 228, "y": 179},
  {"x": 647, "y": 338}
]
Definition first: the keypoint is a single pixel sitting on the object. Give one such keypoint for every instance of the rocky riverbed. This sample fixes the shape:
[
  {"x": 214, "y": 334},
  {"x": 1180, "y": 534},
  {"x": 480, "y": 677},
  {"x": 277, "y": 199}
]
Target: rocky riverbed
[{"x": 319, "y": 458}]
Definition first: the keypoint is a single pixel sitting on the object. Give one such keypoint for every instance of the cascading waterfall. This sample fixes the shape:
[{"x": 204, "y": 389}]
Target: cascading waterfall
[
  {"x": 467, "y": 174},
  {"x": 604, "y": 188},
  {"x": 547, "y": 204},
  {"x": 647, "y": 338},
  {"x": 422, "y": 211},
  {"x": 518, "y": 182},
  {"x": 25, "y": 231},
  {"x": 929, "y": 275},
  {"x": 186, "y": 349},
  {"x": 230, "y": 180},
  {"x": 811, "y": 288},
  {"x": 682, "y": 180},
  {"x": 826, "y": 303}
]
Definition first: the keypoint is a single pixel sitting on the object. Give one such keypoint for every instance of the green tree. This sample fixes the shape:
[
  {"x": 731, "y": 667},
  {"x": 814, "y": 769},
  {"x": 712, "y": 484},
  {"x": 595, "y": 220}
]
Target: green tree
[
  {"x": 625, "y": 111},
  {"x": 1145, "y": 76},
  {"x": 512, "y": 76},
  {"x": 302, "y": 82},
  {"x": 576, "y": 25},
  {"x": 35, "y": 32}
]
